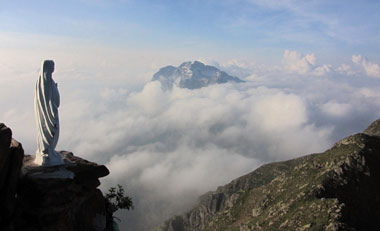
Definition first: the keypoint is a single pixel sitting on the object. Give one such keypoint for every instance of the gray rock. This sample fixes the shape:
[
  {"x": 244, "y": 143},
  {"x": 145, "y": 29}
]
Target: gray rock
[{"x": 192, "y": 75}]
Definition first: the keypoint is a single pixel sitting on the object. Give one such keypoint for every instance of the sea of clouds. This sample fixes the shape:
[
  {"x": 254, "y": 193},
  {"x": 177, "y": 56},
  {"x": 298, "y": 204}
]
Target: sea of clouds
[{"x": 168, "y": 147}]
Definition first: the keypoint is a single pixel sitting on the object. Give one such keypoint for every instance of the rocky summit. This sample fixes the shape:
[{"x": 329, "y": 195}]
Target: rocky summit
[
  {"x": 192, "y": 75},
  {"x": 338, "y": 189}
]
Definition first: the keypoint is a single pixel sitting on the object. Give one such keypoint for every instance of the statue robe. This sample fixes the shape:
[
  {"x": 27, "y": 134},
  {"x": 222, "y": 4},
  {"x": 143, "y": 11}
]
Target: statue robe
[{"x": 46, "y": 103}]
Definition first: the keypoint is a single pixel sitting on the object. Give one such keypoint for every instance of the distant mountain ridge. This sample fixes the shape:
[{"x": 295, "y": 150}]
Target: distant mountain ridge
[
  {"x": 192, "y": 75},
  {"x": 337, "y": 190}
]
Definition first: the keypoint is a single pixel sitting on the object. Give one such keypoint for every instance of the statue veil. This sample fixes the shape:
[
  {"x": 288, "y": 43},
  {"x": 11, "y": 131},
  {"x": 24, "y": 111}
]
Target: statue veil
[{"x": 46, "y": 103}]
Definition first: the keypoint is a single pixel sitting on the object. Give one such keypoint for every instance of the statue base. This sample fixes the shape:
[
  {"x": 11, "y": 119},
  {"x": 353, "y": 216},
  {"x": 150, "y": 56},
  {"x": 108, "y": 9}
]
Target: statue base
[{"x": 51, "y": 159}]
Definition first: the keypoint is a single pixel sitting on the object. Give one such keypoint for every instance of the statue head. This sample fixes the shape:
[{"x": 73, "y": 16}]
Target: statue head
[{"x": 48, "y": 66}]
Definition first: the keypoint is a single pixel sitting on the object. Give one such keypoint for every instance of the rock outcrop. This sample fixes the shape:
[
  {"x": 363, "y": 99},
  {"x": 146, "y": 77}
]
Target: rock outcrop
[
  {"x": 59, "y": 198},
  {"x": 373, "y": 129},
  {"x": 335, "y": 190},
  {"x": 11, "y": 156}
]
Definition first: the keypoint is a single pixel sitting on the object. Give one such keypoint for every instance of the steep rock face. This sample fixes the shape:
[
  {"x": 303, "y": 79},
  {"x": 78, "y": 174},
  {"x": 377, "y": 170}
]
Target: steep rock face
[
  {"x": 61, "y": 198},
  {"x": 335, "y": 190},
  {"x": 11, "y": 156},
  {"x": 192, "y": 75}
]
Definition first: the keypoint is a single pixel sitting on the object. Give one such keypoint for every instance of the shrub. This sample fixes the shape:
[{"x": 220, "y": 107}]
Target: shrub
[{"x": 117, "y": 200}]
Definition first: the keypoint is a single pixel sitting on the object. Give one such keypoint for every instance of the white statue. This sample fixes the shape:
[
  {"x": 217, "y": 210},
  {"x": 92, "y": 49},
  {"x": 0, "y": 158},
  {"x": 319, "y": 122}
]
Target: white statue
[{"x": 46, "y": 103}]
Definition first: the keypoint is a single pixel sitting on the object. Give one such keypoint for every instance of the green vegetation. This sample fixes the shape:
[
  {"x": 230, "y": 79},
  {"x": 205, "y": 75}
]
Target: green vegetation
[{"x": 116, "y": 198}]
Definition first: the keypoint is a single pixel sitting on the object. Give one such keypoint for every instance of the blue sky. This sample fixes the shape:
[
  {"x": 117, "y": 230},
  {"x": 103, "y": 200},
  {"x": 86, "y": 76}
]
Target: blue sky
[{"x": 241, "y": 28}]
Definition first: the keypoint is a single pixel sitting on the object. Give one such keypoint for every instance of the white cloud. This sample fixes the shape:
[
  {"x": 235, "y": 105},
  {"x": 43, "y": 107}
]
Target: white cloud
[
  {"x": 280, "y": 112},
  {"x": 165, "y": 184},
  {"x": 345, "y": 69},
  {"x": 167, "y": 148},
  {"x": 322, "y": 70},
  {"x": 370, "y": 68},
  {"x": 370, "y": 92},
  {"x": 234, "y": 67},
  {"x": 357, "y": 59},
  {"x": 113, "y": 94},
  {"x": 295, "y": 62},
  {"x": 175, "y": 145},
  {"x": 335, "y": 109}
]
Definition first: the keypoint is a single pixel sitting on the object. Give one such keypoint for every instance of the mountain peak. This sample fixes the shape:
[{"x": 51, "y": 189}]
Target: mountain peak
[
  {"x": 192, "y": 75},
  {"x": 190, "y": 64}
]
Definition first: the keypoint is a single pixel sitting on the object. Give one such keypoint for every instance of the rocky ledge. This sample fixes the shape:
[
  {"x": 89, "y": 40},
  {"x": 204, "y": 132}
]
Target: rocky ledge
[{"x": 59, "y": 198}]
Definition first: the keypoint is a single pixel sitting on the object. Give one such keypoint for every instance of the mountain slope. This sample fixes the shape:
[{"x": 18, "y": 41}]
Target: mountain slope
[
  {"x": 192, "y": 75},
  {"x": 335, "y": 190}
]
